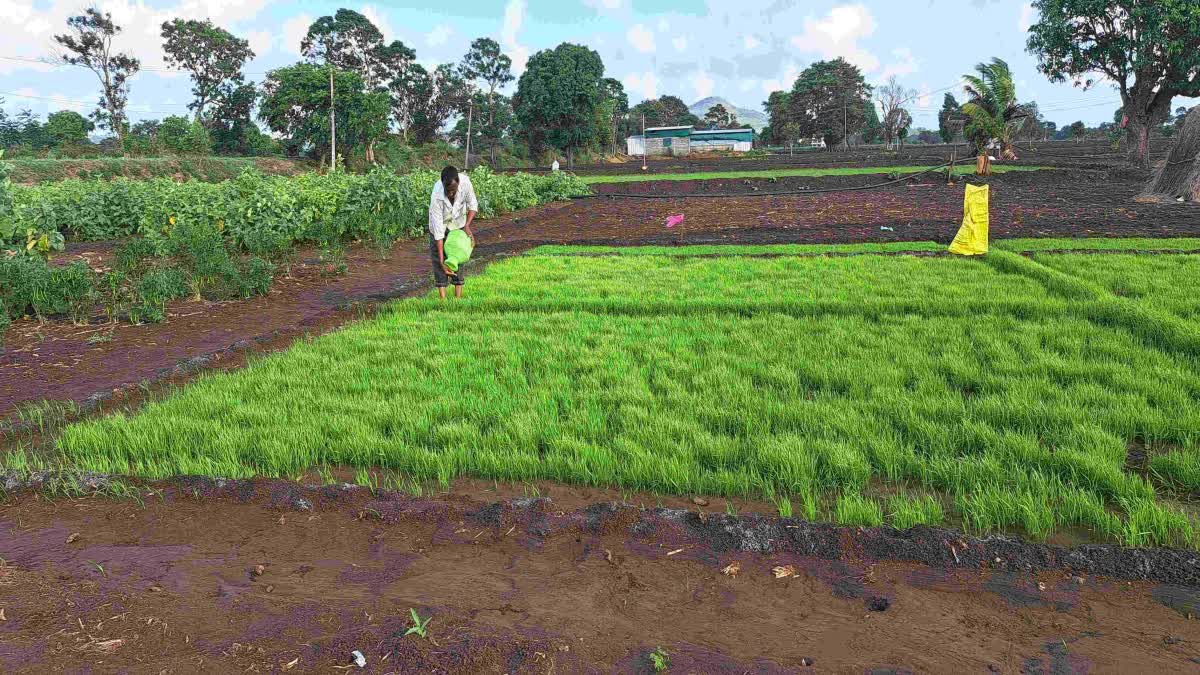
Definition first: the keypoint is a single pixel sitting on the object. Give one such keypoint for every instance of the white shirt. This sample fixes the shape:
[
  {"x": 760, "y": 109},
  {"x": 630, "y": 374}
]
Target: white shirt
[{"x": 444, "y": 215}]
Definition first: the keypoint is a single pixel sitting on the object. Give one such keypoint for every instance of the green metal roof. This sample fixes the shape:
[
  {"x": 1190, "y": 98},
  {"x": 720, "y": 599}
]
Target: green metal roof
[
  {"x": 724, "y": 135},
  {"x": 668, "y": 132}
]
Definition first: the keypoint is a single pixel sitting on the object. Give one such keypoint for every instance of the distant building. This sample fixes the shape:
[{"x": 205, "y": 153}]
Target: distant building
[{"x": 679, "y": 141}]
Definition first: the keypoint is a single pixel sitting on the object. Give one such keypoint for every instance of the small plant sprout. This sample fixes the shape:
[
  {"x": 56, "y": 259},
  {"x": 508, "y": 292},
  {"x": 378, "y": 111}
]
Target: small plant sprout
[
  {"x": 785, "y": 507},
  {"x": 420, "y": 626},
  {"x": 660, "y": 659}
]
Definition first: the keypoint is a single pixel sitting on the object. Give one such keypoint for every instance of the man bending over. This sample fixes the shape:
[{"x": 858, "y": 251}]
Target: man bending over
[{"x": 452, "y": 206}]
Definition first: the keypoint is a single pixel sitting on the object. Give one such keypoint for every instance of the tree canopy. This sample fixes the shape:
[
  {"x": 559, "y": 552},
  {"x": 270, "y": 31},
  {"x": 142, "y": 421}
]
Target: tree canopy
[
  {"x": 90, "y": 44},
  {"x": 295, "y": 103},
  {"x": 557, "y": 96},
  {"x": 1150, "y": 51},
  {"x": 719, "y": 117},
  {"x": 829, "y": 100},
  {"x": 992, "y": 111},
  {"x": 212, "y": 55}
]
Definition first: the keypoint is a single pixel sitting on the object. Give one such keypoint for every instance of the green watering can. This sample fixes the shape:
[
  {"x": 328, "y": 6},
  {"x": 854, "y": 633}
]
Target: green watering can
[{"x": 458, "y": 249}]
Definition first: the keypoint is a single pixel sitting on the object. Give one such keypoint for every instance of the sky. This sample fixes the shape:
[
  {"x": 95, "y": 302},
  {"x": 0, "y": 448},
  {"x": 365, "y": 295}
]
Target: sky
[{"x": 737, "y": 49}]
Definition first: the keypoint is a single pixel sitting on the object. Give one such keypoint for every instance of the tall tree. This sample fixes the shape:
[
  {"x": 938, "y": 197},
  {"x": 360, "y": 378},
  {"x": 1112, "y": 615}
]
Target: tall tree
[
  {"x": 90, "y": 44},
  {"x": 295, "y": 103},
  {"x": 1149, "y": 50},
  {"x": 829, "y": 100},
  {"x": 1033, "y": 126},
  {"x": 950, "y": 119},
  {"x": 557, "y": 96},
  {"x": 231, "y": 124},
  {"x": 617, "y": 107},
  {"x": 67, "y": 127},
  {"x": 212, "y": 55},
  {"x": 779, "y": 129},
  {"x": 872, "y": 129},
  {"x": 350, "y": 41},
  {"x": 436, "y": 97},
  {"x": 718, "y": 117},
  {"x": 891, "y": 98},
  {"x": 484, "y": 62},
  {"x": 992, "y": 111}
]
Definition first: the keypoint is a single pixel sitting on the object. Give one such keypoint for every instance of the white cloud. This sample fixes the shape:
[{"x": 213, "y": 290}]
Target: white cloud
[
  {"x": 439, "y": 36},
  {"x": 906, "y": 64},
  {"x": 924, "y": 96},
  {"x": 294, "y": 30},
  {"x": 260, "y": 41},
  {"x": 641, "y": 38},
  {"x": 1028, "y": 16},
  {"x": 375, "y": 15},
  {"x": 607, "y": 5},
  {"x": 784, "y": 82},
  {"x": 29, "y": 27},
  {"x": 750, "y": 42},
  {"x": 644, "y": 85},
  {"x": 514, "y": 16},
  {"x": 680, "y": 43},
  {"x": 837, "y": 34},
  {"x": 703, "y": 84}
]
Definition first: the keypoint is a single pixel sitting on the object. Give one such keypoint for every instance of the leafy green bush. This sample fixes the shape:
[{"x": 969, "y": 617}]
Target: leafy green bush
[
  {"x": 256, "y": 211},
  {"x": 254, "y": 276},
  {"x": 73, "y": 289},
  {"x": 154, "y": 291},
  {"x": 7, "y": 224},
  {"x": 29, "y": 285},
  {"x": 201, "y": 251},
  {"x": 22, "y": 278}
]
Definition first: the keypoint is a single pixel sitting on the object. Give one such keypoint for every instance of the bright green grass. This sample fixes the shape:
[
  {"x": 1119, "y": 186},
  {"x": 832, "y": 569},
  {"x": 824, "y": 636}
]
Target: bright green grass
[
  {"x": 1164, "y": 281},
  {"x": 651, "y": 285},
  {"x": 784, "y": 173},
  {"x": 733, "y": 250},
  {"x": 1100, "y": 244},
  {"x": 1009, "y": 387}
]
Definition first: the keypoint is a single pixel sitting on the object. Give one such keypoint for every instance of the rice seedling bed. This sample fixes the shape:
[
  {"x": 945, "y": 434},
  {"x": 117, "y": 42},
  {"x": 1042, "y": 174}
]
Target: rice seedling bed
[{"x": 811, "y": 381}]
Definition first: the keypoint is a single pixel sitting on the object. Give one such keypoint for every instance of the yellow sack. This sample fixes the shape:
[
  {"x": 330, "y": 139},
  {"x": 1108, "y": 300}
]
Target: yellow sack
[{"x": 972, "y": 237}]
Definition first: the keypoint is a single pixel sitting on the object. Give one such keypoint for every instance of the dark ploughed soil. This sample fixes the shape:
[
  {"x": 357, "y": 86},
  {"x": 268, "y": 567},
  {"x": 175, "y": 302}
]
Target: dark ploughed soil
[
  {"x": 232, "y": 576},
  {"x": 1086, "y": 155},
  {"x": 56, "y": 361}
]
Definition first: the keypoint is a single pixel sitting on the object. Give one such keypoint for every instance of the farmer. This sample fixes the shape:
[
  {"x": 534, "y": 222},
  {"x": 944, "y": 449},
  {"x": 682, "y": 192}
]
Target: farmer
[{"x": 452, "y": 206}]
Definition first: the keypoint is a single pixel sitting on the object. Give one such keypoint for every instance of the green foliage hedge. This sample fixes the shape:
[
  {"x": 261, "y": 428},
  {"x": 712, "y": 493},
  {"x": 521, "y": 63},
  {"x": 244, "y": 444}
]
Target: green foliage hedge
[{"x": 254, "y": 209}]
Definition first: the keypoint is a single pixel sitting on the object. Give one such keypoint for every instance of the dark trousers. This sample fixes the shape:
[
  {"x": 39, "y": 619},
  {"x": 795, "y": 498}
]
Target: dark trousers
[{"x": 440, "y": 278}]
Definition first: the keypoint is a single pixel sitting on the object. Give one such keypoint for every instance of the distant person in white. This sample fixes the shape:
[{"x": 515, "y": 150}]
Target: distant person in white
[{"x": 452, "y": 206}]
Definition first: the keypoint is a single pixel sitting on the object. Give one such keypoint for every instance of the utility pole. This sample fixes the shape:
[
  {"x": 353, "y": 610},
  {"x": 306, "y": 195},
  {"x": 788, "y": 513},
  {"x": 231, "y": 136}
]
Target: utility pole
[
  {"x": 332, "y": 126},
  {"x": 470, "y": 114},
  {"x": 643, "y": 141}
]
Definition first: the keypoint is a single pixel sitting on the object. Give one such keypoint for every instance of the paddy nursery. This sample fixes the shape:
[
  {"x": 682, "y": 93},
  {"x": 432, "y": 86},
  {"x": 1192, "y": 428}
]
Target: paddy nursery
[{"x": 1040, "y": 393}]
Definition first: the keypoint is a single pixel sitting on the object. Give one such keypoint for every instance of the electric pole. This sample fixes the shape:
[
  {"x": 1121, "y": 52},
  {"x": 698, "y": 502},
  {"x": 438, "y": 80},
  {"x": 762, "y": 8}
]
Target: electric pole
[
  {"x": 643, "y": 141},
  {"x": 470, "y": 114},
  {"x": 332, "y": 126}
]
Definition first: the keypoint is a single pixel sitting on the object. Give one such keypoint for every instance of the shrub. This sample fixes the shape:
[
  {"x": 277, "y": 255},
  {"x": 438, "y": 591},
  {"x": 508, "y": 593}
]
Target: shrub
[
  {"x": 74, "y": 291},
  {"x": 22, "y": 278},
  {"x": 201, "y": 251},
  {"x": 254, "y": 276},
  {"x": 154, "y": 291}
]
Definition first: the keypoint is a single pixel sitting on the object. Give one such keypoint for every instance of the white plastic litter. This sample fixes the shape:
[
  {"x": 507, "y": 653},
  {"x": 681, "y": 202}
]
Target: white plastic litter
[{"x": 359, "y": 659}]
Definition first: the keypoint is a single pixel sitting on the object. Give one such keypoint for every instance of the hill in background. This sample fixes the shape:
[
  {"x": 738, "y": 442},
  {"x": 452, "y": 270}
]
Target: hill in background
[{"x": 754, "y": 118}]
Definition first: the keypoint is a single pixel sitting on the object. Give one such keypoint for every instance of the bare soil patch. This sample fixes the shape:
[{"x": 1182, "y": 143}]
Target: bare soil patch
[{"x": 295, "y": 579}]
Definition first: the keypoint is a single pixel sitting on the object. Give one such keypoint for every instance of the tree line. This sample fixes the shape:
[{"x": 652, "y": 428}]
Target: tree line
[{"x": 352, "y": 89}]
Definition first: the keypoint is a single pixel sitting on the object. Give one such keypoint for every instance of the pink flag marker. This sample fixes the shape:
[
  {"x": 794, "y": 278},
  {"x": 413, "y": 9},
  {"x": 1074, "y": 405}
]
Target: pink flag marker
[{"x": 672, "y": 221}]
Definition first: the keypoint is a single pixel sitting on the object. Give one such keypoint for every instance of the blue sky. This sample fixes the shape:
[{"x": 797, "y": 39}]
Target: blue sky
[{"x": 738, "y": 49}]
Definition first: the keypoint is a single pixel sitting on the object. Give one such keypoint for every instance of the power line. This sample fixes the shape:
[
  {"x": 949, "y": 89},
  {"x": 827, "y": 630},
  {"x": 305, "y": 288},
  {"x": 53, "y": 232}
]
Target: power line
[{"x": 56, "y": 64}]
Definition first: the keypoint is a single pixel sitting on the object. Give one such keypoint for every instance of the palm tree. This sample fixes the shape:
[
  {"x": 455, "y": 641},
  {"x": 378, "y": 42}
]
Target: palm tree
[{"x": 993, "y": 114}]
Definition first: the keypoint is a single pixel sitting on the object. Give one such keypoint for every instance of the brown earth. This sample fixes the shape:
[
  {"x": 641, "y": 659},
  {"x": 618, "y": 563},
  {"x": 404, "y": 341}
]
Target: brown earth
[
  {"x": 272, "y": 577},
  {"x": 59, "y": 361}
]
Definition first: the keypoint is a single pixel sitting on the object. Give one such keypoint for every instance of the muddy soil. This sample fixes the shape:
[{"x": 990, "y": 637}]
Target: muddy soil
[
  {"x": 98, "y": 363},
  {"x": 296, "y": 579}
]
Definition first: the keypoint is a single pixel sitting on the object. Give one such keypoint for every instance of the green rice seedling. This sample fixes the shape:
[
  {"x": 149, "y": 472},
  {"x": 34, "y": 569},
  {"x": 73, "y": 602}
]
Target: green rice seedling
[
  {"x": 784, "y": 506},
  {"x": 1151, "y": 524},
  {"x": 764, "y": 378},
  {"x": 420, "y": 627},
  {"x": 853, "y": 509},
  {"x": 905, "y": 511},
  {"x": 660, "y": 660}
]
